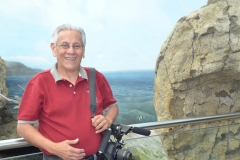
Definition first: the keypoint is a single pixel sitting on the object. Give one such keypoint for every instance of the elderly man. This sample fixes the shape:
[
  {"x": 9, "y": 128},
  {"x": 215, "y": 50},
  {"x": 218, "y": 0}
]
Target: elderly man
[{"x": 59, "y": 100}]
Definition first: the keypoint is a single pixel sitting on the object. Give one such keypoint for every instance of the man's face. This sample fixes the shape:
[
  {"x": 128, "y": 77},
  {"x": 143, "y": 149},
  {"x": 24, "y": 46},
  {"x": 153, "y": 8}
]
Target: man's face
[{"x": 68, "y": 59}]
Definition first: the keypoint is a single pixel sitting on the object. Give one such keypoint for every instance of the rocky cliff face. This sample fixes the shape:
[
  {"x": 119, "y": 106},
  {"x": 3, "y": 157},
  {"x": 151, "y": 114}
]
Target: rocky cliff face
[
  {"x": 4, "y": 113},
  {"x": 198, "y": 74},
  {"x": 3, "y": 88},
  {"x": 7, "y": 122}
]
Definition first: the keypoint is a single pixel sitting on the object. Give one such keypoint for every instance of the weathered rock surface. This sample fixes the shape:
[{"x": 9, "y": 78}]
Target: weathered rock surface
[
  {"x": 145, "y": 148},
  {"x": 198, "y": 74},
  {"x": 7, "y": 121},
  {"x": 3, "y": 88}
]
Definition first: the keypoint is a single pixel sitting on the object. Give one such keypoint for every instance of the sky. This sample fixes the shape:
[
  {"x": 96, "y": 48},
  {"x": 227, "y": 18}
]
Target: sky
[{"x": 121, "y": 34}]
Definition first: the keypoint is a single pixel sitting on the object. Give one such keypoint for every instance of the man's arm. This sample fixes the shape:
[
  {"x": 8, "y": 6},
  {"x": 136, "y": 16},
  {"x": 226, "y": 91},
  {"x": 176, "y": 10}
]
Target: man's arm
[
  {"x": 101, "y": 123},
  {"x": 61, "y": 149}
]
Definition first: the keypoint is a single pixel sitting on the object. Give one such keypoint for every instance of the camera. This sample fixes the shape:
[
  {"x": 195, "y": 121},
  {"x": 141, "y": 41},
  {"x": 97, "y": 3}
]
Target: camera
[{"x": 112, "y": 150}]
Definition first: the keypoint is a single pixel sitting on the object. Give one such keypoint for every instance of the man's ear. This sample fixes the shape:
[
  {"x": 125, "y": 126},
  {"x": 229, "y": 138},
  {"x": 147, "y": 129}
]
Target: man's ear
[
  {"x": 83, "y": 52},
  {"x": 53, "y": 48}
]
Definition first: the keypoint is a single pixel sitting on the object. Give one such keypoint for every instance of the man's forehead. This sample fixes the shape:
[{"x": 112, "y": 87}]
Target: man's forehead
[
  {"x": 69, "y": 32},
  {"x": 72, "y": 34}
]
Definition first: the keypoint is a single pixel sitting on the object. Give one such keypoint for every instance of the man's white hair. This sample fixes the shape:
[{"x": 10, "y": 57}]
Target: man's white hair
[{"x": 68, "y": 27}]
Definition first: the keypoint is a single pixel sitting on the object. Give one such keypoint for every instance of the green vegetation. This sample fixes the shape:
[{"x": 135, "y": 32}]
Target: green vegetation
[
  {"x": 147, "y": 148},
  {"x": 147, "y": 153}
]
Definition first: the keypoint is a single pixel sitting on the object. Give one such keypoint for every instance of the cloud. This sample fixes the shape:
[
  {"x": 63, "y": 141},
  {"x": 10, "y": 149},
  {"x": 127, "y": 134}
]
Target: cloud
[
  {"x": 104, "y": 12},
  {"x": 120, "y": 34}
]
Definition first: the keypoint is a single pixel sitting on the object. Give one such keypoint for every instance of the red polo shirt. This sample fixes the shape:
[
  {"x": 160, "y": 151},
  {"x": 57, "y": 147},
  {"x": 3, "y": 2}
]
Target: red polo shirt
[{"x": 62, "y": 109}]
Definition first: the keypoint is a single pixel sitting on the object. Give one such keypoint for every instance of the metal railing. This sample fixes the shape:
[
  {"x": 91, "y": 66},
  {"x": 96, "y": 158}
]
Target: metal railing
[{"x": 20, "y": 142}]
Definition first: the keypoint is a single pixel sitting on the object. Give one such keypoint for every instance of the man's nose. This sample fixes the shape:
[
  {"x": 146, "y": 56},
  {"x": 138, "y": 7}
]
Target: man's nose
[{"x": 71, "y": 49}]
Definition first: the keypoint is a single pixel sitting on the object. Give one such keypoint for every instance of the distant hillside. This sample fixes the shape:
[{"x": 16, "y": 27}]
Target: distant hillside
[{"x": 19, "y": 69}]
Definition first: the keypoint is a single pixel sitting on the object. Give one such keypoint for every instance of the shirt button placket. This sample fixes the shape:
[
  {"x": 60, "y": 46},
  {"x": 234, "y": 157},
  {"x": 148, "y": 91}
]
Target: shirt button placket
[{"x": 74, "y": 92}]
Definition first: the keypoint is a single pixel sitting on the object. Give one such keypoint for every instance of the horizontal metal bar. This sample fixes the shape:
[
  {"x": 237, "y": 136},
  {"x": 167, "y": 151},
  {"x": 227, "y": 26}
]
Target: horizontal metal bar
[
  {"x": 13, "y": 143},
  {"x": 186, "y": 121},
  {"x": 20, "y": 142},
  {"x": 25, "y": 156}
]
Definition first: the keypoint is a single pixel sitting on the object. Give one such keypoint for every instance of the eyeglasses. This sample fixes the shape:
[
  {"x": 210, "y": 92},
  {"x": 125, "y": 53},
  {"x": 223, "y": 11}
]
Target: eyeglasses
[{"x": 67, "y": 46}]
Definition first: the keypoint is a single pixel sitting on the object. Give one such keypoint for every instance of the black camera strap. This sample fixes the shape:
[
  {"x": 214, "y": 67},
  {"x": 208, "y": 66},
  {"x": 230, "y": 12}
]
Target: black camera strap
[{"x": 92, "y": 88}]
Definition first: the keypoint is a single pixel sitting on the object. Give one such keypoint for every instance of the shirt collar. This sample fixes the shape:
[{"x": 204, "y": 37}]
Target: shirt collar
[{"x": 57, "y": 77}]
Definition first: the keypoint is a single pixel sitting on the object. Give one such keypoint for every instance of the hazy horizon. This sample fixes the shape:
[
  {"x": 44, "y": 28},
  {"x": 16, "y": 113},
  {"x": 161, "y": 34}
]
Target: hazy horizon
[{"x": 91, "y": 66}]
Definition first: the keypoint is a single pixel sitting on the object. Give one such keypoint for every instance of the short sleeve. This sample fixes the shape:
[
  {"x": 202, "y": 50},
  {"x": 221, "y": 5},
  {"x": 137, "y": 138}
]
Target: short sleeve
[
  {"x": 106, "y": 91},
  {"x": 31, "y": 103}
]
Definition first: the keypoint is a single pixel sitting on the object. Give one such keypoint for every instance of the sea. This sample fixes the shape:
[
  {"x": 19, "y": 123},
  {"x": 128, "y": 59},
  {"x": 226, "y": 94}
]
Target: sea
[{"x": 132, "y": 89}]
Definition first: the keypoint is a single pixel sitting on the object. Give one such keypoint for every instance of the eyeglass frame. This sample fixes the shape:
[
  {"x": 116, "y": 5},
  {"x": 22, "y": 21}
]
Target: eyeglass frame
[{"x": 67, "y": 46}]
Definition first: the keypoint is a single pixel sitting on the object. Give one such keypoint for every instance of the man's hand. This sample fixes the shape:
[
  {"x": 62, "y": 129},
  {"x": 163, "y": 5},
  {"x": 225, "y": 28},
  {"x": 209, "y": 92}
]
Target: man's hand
[
  {"x": 100, "y": 123},
  {"x": 62, "y": 149},
  {"x": 65, "y": 151}
]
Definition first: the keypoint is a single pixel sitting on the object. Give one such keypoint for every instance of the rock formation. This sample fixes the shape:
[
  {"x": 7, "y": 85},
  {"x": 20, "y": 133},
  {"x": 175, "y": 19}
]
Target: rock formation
[
  {"x": 19, "y": 69},
  {"x": 7, "y": 122},
  {"x": 198, "y": 74}
]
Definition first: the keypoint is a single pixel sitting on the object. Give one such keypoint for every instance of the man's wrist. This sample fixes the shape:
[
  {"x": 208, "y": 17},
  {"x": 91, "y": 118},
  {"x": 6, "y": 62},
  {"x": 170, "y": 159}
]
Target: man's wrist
[{"x": 109, "y": 121}]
